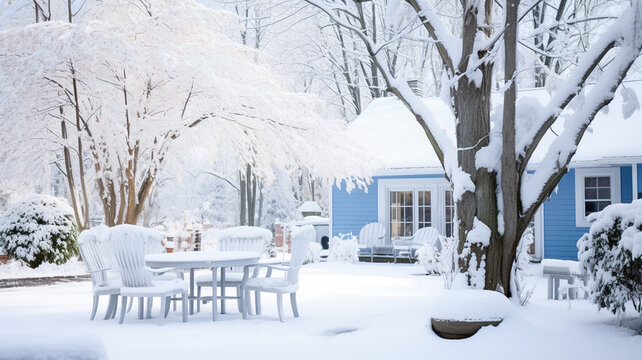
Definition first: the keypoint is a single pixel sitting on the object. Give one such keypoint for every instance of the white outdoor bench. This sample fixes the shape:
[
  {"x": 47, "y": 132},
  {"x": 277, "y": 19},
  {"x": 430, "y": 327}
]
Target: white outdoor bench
[{"x": 556, "y": 270}]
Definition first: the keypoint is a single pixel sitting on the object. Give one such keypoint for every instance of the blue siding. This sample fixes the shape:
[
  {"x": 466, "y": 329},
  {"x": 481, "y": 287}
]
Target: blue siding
[
  {"x": 626, "y": 183},
  {"x": 639, "y": 181},
  {"x": 560, "y": 232},
  {"x": 350, "y": 212}
]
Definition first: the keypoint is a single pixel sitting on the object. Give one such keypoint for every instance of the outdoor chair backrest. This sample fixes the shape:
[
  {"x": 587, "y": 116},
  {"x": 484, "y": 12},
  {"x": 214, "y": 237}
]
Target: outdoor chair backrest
[
  {"x": 130, "y": 244},
  {"x": 94, "y": 255},
  {"x": 428, "y": 235},
  {"x": 301, "y": 238},
  {"x": 244, "y": 238},
  {"x": 373, "y": 234}
]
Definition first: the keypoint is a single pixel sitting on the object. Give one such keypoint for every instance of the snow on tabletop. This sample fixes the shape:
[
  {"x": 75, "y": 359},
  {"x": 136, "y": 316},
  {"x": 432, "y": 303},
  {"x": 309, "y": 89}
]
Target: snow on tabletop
[
  {"x": 471, "y": 305},
  {"x": 573, "y": 266},
  {"x": 205, "y": 256},
  {"x": 51, "y": 345},
  {"x": 246, "y": 232},
  {"x": 310, "y": 206},
  {"x": 16, "y": 270}
]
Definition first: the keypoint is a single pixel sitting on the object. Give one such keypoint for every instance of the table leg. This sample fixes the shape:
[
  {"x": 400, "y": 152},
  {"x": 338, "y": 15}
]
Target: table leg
[
  {"x": 191, "y": 291},
  {"x": 214, "y": 302},
  {"x": 223, "y": 290}
]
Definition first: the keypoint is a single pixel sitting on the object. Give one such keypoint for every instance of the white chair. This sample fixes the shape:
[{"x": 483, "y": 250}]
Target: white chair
[
  {"x": 238, "y": 238},
  {"x": 97, "y": 258},
  {"x": 129, "y": 245},
  {"x": 371, "y": 236},
  {"x": 408, "y": 247},
  {"x": 289, "y": 284}
]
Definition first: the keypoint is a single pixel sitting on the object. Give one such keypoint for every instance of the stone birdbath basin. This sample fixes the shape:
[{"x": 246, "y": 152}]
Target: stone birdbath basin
[{"x": 459, "y": 314}]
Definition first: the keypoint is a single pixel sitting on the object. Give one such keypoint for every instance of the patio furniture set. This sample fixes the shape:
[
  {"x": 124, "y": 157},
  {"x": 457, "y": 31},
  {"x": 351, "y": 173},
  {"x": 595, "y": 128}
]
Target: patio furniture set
[
  {"x": 127, "y": 261},
  {"x": 372, "y": 242}
]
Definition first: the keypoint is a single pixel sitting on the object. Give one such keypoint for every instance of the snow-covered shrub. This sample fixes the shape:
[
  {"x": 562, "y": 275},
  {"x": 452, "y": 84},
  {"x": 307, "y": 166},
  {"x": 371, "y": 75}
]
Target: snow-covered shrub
[
  {"x": 314, "y": 253},
  {"x": 518, "y": 278},
  {"x": 612, "y": 254},
  {"x": 270, "y": 250},
  {"x": 38, "y": 230},
  {"x": 428, "y": 256},
  {"x": 344, "y": 248},
  {"x": 448, "y": 259}
]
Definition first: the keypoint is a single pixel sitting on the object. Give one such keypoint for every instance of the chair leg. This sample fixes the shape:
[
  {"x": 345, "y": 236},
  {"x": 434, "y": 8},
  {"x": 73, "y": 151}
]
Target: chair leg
[
  {"x": 131, "y": 303},
  {"x": 239, "y": 302},
  {"x": 247, "y": 306},
  {"x": 150, "y": 304},
  {"x": 279, "y": 304},
  {"x": 184, "y": 305},
  {"x": 169, "y": 299},
  {"x": 123, "y": 310},
  {"x": 295, "y": 308},
  {"x": 257, "y": 301},
  {"x": 94, "y": 308},
  {"x": 198, "y": 299},
  {"x": 115, "y": 309},
  {"x": 110, "y": 306},
  {"x": 161, "y": 315},
  {"x": 141, "y": 305}
]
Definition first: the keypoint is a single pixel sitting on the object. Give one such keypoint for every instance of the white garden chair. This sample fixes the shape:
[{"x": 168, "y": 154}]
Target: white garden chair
[
  {"x": 408, "y": 247},
  {"x": 371, "y": 236},
  {"x": 238, "y": 238},
  {"x": 97, "y": 258},
  {"x": 289, "y": 284},
  {"x": 129, "y": 245}
]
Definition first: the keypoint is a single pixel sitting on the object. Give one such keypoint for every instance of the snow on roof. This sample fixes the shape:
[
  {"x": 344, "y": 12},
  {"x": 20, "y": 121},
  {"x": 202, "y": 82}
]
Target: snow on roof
[
  {"x": 310, "y": 206},
  {"x": 391, "y": 133}
]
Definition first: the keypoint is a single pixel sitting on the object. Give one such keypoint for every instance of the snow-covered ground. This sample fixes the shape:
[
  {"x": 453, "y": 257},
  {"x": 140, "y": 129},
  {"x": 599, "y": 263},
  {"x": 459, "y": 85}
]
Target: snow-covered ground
[{"x": 374, "y": 311}]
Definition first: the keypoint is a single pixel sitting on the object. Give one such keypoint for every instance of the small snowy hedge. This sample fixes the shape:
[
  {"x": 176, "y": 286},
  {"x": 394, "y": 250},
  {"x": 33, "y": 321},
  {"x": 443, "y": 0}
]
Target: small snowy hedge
[
  {"x": 344, "y": 248},
  {"x": 314, "y": 253},
  {"x": 39, "y": 229},
  {"x": 612, "y": 254}
]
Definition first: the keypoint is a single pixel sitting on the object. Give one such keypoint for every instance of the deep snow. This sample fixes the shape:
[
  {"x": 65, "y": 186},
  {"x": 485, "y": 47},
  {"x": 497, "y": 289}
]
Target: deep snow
[{"x": 375, "y": 311}]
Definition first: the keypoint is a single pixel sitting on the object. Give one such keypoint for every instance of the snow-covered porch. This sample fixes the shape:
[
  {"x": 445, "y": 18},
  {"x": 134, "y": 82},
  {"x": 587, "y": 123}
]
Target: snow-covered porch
[{"x": 364, "y": 310}]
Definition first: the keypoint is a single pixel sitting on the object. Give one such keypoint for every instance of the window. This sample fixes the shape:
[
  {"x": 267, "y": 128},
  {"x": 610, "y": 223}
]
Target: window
[
  {"x": 595, "y": 189},
  {"x": 597, "y": 193},
  {"x": 401, "y": 214},
  {"x": 449, "y": 205},
  {"x": 424, "y": 210}
]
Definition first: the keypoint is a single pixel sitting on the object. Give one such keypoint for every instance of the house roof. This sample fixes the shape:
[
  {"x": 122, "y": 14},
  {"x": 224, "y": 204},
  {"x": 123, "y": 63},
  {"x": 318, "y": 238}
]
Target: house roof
[{"x": 391, "y": 133}]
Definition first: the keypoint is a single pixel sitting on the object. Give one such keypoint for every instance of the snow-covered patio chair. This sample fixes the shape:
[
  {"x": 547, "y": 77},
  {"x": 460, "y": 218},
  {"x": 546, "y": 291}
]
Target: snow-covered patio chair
[
  {"x": 104, "y": 277},
  {"x": 408, "y": 247},
  {"x": 238, "y": 238},
  {"x": 129, "y": 245},
  {"x": 289, "y": 283},
  {"x": 371, "y": 236}
]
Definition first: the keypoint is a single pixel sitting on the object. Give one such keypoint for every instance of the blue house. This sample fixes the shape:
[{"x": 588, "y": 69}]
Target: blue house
[{"x": 409, "y": 190}]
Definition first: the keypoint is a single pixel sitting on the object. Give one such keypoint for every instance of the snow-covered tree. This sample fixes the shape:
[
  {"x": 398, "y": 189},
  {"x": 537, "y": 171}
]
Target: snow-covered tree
[
  {"x": 485, "y": 158},
  {"x": 134, "y": 78}
]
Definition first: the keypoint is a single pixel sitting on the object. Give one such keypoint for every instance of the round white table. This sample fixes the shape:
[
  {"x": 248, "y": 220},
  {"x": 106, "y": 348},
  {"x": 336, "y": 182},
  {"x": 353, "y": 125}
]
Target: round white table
[{"x": 206, "y": 260}]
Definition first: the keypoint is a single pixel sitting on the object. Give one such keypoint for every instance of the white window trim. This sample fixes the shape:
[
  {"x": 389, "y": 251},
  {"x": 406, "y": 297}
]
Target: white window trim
[
  {"x": 435, "y": 185},
  {"x": 580, "y": 174}
]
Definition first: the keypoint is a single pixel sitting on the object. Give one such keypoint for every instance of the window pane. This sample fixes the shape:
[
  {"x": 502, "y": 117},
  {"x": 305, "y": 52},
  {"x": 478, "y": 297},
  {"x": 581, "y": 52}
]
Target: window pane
[
  {"x": 590, "y": 181},
  {"x": 427, "y": 197},
  {"x": 605, "y": 193},
  {"x": 603, "y": 204},
  {"x": 590, "y": 193},
  {"x": 408, "y": 197},
  {"x": 393, "y": 197},
  {"x": 408, "y": 214},
  {"x": 428, "y": 217},
  {"x": 590, "y": 207},
  {"x": 408, "y": 229},
  {"x": 604, "y": 181}
]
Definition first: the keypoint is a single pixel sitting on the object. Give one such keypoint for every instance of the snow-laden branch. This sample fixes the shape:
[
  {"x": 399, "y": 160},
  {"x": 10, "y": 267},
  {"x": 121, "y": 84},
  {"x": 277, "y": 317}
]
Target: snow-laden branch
[
  {"x": 437, "y": 135},
  {"x": 627, "y": 35},
  {"x": 621, "y": 33}
]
